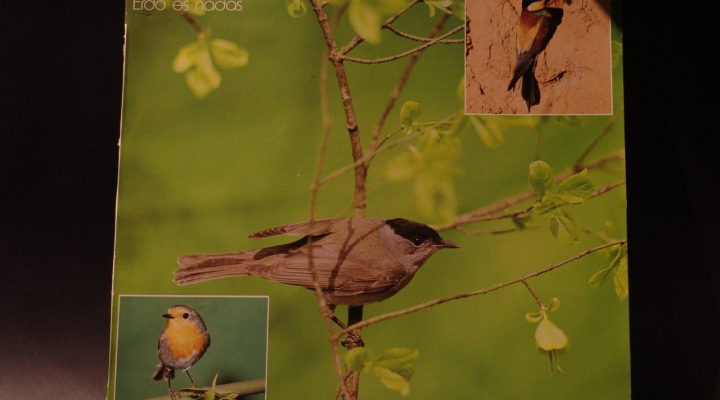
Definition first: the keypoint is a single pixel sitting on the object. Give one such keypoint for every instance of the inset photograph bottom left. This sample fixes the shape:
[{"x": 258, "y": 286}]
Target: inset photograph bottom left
[{"x": 177, "y": 347}]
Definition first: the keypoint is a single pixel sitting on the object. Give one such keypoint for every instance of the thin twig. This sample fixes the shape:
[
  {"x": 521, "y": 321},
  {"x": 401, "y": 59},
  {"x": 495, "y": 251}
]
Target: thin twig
[
  {"x": 498, "y": 232},
  {"x": 339, "y": 172},
  {"x": 481, "y": 213},
  {"x": 534, "y": 295},
  {"x": 404, "y": 54},
  {"x": 419, "y": 307},
  {"x": 421, "y": 39},
  {"x": 613, "y": 121},
  {"x": 398, "y": 88},
  {"x": 356, "y": 40},
  {"x": 200, "y": 31}
]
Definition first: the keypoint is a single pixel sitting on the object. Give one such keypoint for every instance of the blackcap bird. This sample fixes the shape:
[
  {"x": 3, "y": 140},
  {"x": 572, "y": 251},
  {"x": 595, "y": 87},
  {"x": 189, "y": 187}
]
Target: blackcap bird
[{"x": 357, "y": 260}]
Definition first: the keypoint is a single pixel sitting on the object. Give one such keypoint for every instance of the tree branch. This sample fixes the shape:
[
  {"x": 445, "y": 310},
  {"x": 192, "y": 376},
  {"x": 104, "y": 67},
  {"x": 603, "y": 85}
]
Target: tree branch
[
  {"x": 534, "y": 295},
  {"x": 404, "y": 54},
  {"x": 419, "y": 307},
  {"x": 351, "y": 120},
  {"x": 244, "y": 388},
  {"x": 200, "y": 31},
  {"x": 481, "y": 214}
]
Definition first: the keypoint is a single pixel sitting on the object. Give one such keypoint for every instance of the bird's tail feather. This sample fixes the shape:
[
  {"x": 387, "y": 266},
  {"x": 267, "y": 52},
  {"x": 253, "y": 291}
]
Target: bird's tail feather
[
  {"x": 530, "y": 88},
  {"x": 163, "y": 373},
  {"x": 195, "y": 268}
]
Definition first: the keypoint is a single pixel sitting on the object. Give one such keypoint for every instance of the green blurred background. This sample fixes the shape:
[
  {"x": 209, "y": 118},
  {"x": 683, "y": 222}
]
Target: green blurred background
[
  {"x": 237, "y": 352},
  {"x": 200, "y": 175}
]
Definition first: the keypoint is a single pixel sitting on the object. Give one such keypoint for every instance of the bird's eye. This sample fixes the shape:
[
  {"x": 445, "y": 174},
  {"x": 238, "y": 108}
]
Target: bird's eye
[
  {"x": 186, "y": 315},
  {"x": 417, "y": 241}
]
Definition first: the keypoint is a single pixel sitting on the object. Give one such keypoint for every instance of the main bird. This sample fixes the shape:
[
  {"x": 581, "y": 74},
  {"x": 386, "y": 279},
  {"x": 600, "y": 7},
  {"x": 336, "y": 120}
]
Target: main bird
[
  {"x": 357, "y": 260},
  {"x": 535, "y": 29}
]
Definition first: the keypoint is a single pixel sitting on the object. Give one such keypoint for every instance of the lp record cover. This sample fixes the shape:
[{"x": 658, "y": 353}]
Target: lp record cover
[{"x": 366, "y": 199}]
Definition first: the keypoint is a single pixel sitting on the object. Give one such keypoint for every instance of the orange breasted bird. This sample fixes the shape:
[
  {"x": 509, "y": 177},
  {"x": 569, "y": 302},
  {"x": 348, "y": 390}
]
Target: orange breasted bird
[
  {"x": 183, "y": 341},
  {"x": 534, "y": 32}
]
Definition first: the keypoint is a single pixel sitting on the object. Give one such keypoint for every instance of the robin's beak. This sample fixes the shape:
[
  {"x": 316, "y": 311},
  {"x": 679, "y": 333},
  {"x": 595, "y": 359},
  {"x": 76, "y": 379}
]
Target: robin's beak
[
  {"x": 168, "y": 316},
  {"x": 444, "y": 244}
]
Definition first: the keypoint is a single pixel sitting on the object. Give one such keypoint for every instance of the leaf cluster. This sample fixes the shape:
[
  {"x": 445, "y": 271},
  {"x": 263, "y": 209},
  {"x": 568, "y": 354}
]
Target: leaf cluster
[
  {"x": 573, "y": 190},
  {"x": 619, "y": 268},
  {"x": 198, "y": 59},
  {"x": 393, "y": 367}
]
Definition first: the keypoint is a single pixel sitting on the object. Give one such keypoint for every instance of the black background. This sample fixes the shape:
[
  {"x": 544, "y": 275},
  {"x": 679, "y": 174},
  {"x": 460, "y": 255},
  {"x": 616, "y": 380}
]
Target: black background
[{"x": 61, "y": 86}]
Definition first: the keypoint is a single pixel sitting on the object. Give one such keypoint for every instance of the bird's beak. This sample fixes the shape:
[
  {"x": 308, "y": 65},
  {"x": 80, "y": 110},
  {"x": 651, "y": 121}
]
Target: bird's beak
[
  {"x": 168, "y": 316},
  {"x": 446, "y": 245}
]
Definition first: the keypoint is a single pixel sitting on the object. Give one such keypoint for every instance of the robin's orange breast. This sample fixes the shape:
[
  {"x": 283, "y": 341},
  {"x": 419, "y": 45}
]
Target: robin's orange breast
[{"x": 185, "y": 341}]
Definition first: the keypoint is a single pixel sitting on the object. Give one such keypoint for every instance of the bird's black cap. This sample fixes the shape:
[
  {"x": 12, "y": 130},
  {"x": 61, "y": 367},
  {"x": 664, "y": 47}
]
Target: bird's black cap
[{"x": 411, "y": 231}]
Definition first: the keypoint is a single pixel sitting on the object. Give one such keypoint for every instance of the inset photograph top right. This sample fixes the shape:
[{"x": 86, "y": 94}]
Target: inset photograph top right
[{"x": 547, "y": 57}]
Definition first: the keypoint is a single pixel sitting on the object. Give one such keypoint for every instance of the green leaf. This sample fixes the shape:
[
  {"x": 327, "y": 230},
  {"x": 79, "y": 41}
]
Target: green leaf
[
  {"x": 545, "y": 206},
  {"x": 187, "y": 56},
  {"x": 296, "y": 8},
  {"x": 489, "y": 132},
  {"x": 554, "y": 304},
  {"x": 521, "y": 221},
  {"x": 542, "y": 177},
  {"x": 365, "y": 20},
  {"x": 431, "y": 12},
  {"x": 563, "y": 227},
  {"x": 458, "y": 9},
  {"x": 435, "y": 196},
  {"x": 533, "y": 317},
  {"x": 198, "y": 83},
  {"x": 576, "y": 188},
  {"x": 599, "y": 277},
  {"x": 398, "y": 360},
  {"x": 209, "y": 395},
  {"x": 409, "y": 115},
  {"x": 460, "y": 90},
  {"x": 227, "y": 54},
  {"x": 402, "y": 167},
  {"x": 443, "y": 5},
  {"x": 548, "y": 336},
  {"x": 396, "y": 357},
  {"x": 621, "y": 275},
  {"x": 392, "y": 380},
  {"x": 357, "y": 358}
]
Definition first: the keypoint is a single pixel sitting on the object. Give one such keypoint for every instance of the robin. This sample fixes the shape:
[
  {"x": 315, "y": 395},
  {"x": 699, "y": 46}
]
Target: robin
[{"x": 182, "y": 343}]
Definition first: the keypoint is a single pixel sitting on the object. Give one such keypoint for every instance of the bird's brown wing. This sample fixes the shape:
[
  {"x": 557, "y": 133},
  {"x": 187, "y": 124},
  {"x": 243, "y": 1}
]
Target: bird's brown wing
[
  {"x": 319, "y": 227},
  {"x": 344, "y": 277}
]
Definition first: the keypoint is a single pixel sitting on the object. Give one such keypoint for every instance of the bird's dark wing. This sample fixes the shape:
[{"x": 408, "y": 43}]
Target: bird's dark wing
[{"x": 319, "y": 227}]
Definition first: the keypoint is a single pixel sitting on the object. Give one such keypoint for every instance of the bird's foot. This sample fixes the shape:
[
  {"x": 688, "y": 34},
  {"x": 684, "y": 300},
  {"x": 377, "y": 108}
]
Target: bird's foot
[
  {"x": 171, "y": 393},
  {"x": 352, "y": 341}
]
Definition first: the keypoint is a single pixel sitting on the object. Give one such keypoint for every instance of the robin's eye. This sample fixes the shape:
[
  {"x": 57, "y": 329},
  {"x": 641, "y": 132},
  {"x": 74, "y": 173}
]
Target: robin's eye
[
  {"x": 186, "y": 315},
  {"x": 417, "y": 241}
]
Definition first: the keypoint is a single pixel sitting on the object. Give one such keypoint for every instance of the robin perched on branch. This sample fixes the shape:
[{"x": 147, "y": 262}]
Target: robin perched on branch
[{"x": 183, "y": 341}]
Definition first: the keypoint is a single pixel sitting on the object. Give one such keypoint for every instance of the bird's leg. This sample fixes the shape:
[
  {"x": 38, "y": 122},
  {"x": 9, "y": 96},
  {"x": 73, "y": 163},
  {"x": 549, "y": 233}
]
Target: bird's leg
[
  {"x": 170, "y": 391},
  {"x": 191, "y": 380},
  {"x": 352, "y": 339}
]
